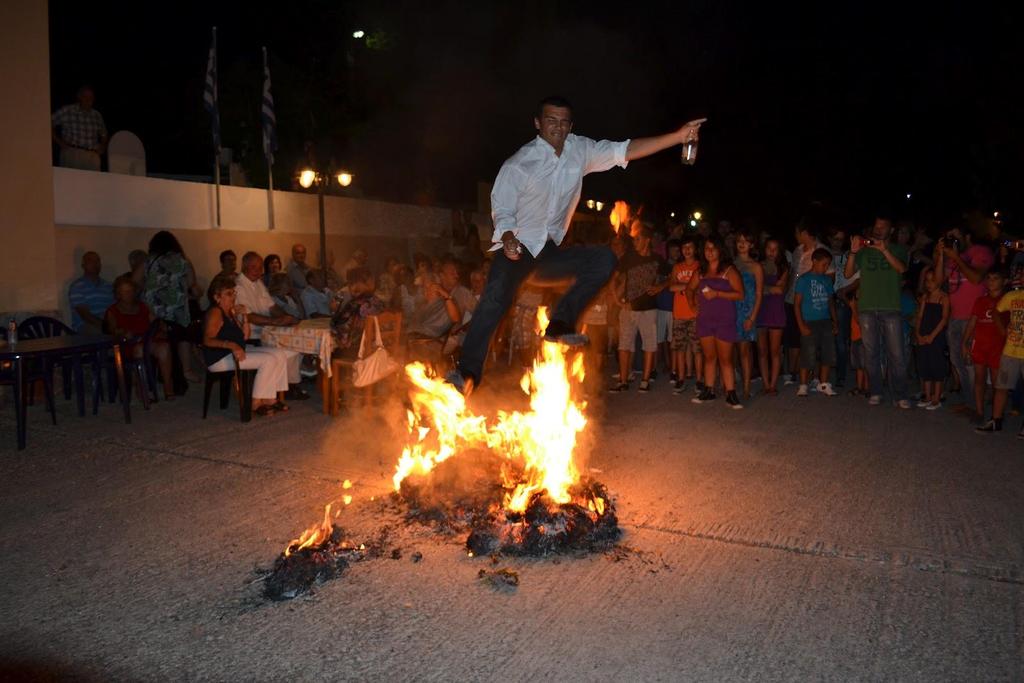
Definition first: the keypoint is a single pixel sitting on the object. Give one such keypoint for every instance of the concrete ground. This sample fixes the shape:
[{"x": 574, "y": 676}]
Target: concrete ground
[{"x": 797, "y": 539}]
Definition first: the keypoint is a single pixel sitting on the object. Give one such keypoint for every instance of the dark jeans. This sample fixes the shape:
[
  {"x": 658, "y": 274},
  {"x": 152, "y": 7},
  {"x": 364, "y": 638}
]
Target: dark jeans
[
  {"x": 882, "y": 333},
  {"x": 591, "y": 267},
  {"x": 844, "y": 317}
]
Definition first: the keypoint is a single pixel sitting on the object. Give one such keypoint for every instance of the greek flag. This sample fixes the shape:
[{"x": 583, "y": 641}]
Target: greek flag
[
  {"x": 210, "y": 91},
  {"x": 267, "y": 114}
]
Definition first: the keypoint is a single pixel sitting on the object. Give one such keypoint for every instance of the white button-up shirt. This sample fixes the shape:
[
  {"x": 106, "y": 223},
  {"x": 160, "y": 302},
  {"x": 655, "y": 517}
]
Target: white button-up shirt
[
  {"x": 254, "y": 296},
  {"x": 536, "y": 191}
]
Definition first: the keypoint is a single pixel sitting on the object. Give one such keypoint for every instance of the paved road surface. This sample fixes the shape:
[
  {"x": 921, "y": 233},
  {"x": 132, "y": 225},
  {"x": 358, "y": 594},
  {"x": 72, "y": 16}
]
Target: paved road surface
[{"x": 797, "y": 539}]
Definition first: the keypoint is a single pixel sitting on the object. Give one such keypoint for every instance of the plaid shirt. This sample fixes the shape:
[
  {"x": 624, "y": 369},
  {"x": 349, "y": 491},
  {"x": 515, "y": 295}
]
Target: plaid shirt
[{"x": 79, "y": 127}]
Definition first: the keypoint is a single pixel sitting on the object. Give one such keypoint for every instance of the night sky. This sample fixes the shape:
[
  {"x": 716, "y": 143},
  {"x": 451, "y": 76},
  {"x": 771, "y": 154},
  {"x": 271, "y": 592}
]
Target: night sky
[{"x": 849, "y": 106}]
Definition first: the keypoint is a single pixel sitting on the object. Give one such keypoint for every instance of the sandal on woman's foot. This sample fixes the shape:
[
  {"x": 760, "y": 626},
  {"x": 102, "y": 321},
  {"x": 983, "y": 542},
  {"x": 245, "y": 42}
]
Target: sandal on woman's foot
[
  {"x": 280, "y": 407},
  {"x": 264, "y": 410}
]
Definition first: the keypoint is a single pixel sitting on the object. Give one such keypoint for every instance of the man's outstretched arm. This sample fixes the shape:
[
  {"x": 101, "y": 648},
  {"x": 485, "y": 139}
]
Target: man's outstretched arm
[{"x": 643, "y": 147}]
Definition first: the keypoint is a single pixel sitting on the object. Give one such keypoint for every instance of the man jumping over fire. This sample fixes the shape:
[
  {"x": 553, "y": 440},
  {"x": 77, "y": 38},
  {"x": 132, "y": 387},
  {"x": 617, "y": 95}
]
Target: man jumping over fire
[{"x": 532, "y": 204}]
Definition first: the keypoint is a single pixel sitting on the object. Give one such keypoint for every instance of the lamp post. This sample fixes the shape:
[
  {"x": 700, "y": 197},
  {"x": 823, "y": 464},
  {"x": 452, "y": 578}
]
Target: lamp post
[{"x": 309, "y": 177}]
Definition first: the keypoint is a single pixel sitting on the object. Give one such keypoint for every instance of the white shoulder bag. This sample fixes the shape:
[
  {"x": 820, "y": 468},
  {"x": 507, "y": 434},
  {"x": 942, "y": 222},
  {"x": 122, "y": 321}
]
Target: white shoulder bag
[{"x": 372, "y": 368}]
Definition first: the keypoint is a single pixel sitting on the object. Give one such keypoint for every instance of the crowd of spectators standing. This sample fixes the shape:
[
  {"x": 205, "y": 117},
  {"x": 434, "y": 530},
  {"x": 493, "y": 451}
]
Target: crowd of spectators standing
[
  {"x": 857, "y": 311},
  {"x": 861, "y": 312}
]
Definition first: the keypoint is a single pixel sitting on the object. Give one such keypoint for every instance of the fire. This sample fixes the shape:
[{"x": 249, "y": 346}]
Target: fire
[
  {"x": 538, "y": 445},
  {"x": 619, "y": 215},
  {"x": 313, "y": 536}
]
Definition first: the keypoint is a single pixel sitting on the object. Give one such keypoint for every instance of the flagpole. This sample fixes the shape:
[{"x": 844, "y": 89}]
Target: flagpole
[
  {"x": 216, "y": 161},
  {"x": 270, "y": 165},
  {"x": 270, "y": 194},
  {"x": 216, "y": 181}
]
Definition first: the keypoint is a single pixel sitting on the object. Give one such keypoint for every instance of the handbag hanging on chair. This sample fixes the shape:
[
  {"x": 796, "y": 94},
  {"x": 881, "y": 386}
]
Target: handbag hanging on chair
[{"x": 372, "y": 368}]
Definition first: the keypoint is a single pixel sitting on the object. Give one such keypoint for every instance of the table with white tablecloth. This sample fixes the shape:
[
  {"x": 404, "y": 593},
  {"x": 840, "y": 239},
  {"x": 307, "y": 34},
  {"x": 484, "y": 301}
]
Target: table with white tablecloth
[{"x": 311, "y": 337}]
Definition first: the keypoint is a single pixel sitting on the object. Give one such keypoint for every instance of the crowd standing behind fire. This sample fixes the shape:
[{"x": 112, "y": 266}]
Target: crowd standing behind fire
[{"x": 846, "y": 311}]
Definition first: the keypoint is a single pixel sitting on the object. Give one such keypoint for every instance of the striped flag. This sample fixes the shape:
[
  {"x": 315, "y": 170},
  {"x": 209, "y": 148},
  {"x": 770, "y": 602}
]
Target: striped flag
[
  {"x": 267, "y": 114},
  {"x": 210, "y": 91}
]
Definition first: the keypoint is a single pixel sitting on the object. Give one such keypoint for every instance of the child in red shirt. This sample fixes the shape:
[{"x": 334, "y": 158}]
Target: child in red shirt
[{"x": 983, "y": 340}]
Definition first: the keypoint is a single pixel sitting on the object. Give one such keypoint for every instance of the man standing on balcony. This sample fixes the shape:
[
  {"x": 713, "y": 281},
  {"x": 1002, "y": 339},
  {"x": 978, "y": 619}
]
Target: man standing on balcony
[
  {"x": 532, "y": 204},
  {"x": 79, "y": 131}
]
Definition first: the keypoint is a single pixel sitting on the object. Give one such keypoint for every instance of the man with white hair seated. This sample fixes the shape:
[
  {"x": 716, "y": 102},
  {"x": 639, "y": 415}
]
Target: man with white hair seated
[{"x": 262, "y": 310}]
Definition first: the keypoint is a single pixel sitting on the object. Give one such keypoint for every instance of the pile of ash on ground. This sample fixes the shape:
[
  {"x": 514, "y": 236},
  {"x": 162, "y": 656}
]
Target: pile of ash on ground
[
  {"x": 298, "y": 572},
  {"x": 456, "y": 499},
  {"x": 546, "y": 527}
]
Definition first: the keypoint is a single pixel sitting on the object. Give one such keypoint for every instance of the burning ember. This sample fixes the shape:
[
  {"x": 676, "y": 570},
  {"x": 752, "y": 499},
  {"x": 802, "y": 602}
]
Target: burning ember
[
  {"x": 320, "y": 554},
  {"x": 541, "y": 504},
  {"x": 317, "y": 556}
]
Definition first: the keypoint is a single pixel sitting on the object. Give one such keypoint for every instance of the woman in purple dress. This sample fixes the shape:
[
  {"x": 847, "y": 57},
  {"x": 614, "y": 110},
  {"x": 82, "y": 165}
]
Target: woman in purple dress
[
  {"x": 771, "y": 318},
  {"x": 715, "y": 293}
]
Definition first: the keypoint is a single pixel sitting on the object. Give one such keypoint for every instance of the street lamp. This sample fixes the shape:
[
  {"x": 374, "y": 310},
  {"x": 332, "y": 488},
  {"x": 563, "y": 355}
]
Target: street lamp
[
  {"x": 599, "y": 206},
  {"x": 590, "y": 203},
  {"x": 309, "y": 177},
  {"x": 697, "y": 215},
  {"x": 358, "y": 34}
]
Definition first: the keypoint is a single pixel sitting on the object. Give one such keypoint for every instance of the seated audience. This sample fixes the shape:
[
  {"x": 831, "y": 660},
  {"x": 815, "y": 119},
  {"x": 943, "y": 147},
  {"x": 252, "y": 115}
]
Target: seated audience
[
  {"x": 441, "y": 305},
  {"x": 262, "y": 310},
  {"x": 349, "y": 320},
  {"x": 224, "y": 347},
  {"x": 271, "y": 266},
  {"x": 129, "y": 317},
  {"x": 89, "y": 296},
  {"x": 317, "y": 300},
  {"x": 358, "y": 260},
  {"x": 136, "y": 259},
  {"x": 280, "y": 289},
  {"x": 477, "y": 280},
  {"x": 228, "y": 263},
  {"x": 386, "y": 282},
  {"x": 297, "y": 268}
]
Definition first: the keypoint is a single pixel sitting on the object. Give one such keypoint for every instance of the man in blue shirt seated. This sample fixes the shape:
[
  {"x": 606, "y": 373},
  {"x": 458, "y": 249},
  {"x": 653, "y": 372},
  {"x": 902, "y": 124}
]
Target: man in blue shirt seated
[
  {"x": 317, "y": 300},
  {"x": 90, "y": 296}
]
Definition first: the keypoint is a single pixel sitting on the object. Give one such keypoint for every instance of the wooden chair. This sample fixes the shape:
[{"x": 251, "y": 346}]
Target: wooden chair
[
  {"x": 241, "y": 380},
  {"x": 390, "y": 333}
]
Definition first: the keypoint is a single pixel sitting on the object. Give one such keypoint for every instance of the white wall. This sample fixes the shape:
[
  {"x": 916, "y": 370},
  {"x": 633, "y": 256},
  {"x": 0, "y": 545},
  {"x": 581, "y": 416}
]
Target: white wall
[
  {"x": 113, "y": 214},
  {"x": 84, "y": 198}
]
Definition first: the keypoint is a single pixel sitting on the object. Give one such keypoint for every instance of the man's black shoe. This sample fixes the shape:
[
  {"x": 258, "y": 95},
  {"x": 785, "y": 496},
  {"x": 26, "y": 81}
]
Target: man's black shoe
[
  {"x": 463, "y": 384},
  {"x": 563, "y": 333}
]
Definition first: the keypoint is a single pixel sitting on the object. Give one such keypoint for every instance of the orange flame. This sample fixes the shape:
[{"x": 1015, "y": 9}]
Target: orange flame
[
  {"x": 312, "y": 536},
  {"x": 540, "y": 443},
  {"x": 619, "y": 215}
]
